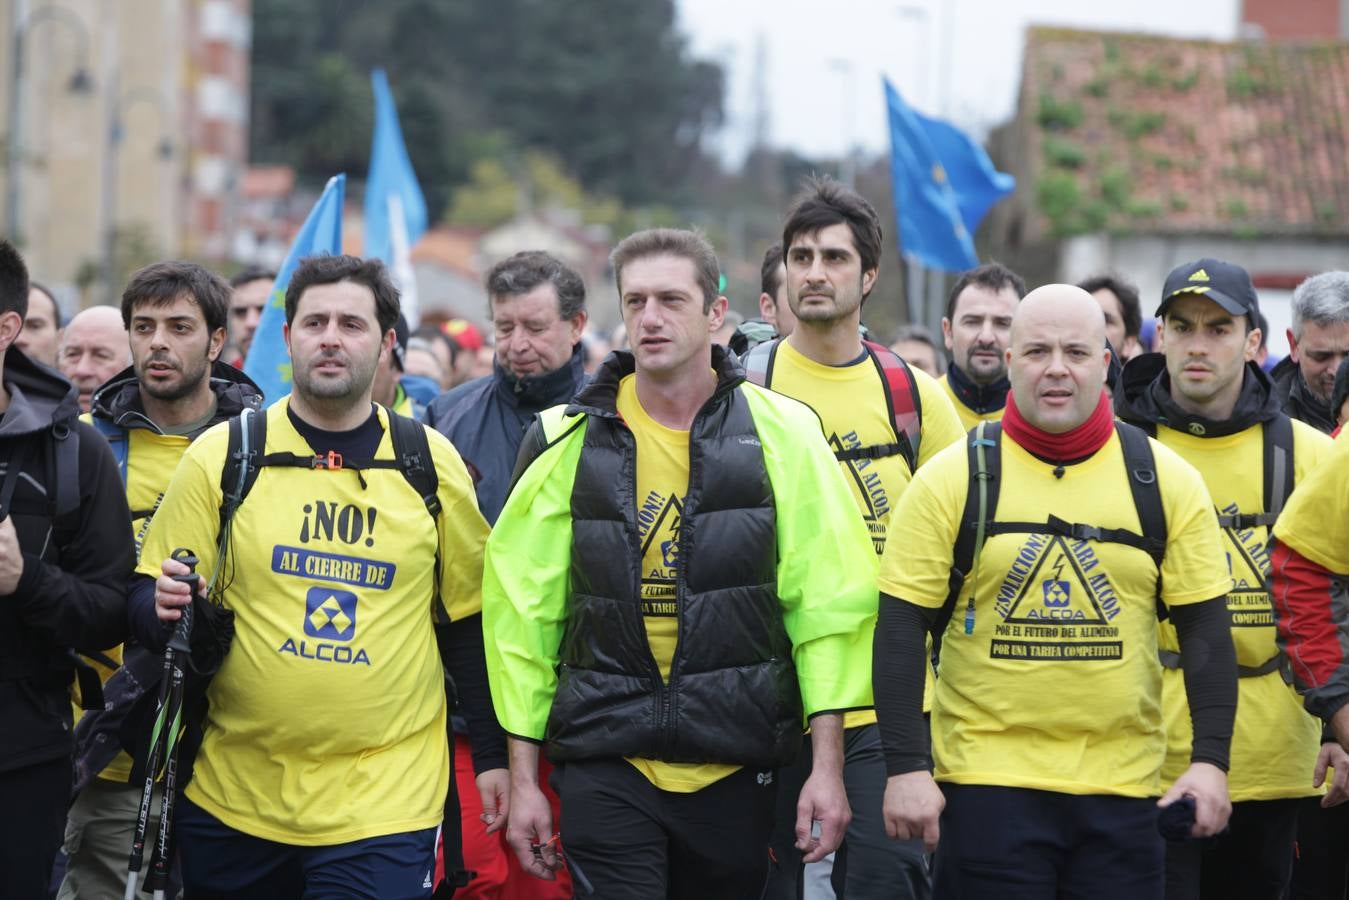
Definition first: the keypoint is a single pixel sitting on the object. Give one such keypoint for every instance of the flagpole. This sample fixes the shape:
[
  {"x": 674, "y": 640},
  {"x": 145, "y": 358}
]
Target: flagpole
[{"x": 913, "y": 292}]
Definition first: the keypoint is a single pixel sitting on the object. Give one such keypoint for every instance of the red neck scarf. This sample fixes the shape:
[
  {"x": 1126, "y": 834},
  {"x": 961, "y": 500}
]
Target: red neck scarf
[{"x": 1081, "y": 442}]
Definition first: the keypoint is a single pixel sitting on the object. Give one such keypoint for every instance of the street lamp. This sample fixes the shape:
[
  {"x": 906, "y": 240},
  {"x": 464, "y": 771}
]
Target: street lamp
[
  {"x": 848, "y": 164},
  {"x": 116, "y": 133},
  {"x": 80, "y": 83}
]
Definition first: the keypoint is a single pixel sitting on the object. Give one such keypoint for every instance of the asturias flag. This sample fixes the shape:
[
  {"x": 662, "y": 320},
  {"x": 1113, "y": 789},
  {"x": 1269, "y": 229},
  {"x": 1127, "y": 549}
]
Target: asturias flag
[
  {"x": 268, "y": 362},
  {"x": 943, "y": 185},
  {"x": 976, "y": 183},
  {"x": 395, "y": 210}
]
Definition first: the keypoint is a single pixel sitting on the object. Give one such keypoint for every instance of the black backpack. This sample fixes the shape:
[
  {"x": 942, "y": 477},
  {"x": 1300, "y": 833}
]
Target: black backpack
[
  {"x": 60, "y": 447},
  {"x": 979, "y": 522}
]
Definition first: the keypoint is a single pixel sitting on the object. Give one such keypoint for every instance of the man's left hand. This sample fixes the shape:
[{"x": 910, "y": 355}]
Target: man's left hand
[
  {"x": 11, "y": 558},
  {"x": 494, "y": 787},
  {"x": 1207, "y": 784},
  {"x": 823, "y": 800}
]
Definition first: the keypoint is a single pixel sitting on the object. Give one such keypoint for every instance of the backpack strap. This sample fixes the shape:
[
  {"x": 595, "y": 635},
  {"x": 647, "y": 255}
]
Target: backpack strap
[
  {"x": 413, "y": 451},
  {"x": 117, "y": 439},
  {"x": 66, "y": 466},
  {"x": 901, "y": 396},
  {"x": 981, "y": 507},
  {"x": 1278, "y": 484},
  {"x": 1147, "y": 493},
  {"x": 243, "y": 455},
  {"x": 758, "y": 362}
]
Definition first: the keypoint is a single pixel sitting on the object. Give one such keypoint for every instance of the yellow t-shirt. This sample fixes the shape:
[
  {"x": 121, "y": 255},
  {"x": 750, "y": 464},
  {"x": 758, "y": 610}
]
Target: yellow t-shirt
[
  {"x": 1314, "y": 521},
  {"x": 1274, "y": 741},
  {"x": 850, "y": 401},
  {"x": 1058, "y": 687},
  {"x": 327, "y": 720},
  {"x": 662, "y": 483},
  {"x": 151, "y": 460},
  {"x": 968, "y": 417}
]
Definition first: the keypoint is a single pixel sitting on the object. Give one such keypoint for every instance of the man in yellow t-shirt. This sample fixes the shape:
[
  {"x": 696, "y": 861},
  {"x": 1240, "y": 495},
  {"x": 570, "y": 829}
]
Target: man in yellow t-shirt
[
  {"x": 324, "y": 760},
  {"x": 833, "y": 240},
  {"x": 978, "y": 319},
  {"x": 676, "y": 583},
  {"x": 1047, "y": 732},
  {"x": 175, "y": 315},
  {"x": 1206, "y": 399}
]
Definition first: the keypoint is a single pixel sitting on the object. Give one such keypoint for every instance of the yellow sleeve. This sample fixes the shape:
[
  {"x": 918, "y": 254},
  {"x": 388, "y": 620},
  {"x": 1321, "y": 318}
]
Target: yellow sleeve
[
  {"x": 526, "y": 583},
  {"x": 920, "y": 547},
  {"x": 189, "y": 514},
  {"x": 1315, "y": 522},
  {"x": 826, "y": 574},
  {"x": 1195, "y": 567},
  {"x": 941, "y": 424},
  {"x": 462, "y": 530}
]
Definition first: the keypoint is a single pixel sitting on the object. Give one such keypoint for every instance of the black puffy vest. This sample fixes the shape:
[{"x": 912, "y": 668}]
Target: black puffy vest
[{"x": 733, "y": 695}]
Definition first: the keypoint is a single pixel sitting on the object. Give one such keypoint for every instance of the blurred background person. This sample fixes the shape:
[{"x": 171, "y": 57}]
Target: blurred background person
[
  {"x": 94, "y": 347},
  {"x": 917, "y": 346}
]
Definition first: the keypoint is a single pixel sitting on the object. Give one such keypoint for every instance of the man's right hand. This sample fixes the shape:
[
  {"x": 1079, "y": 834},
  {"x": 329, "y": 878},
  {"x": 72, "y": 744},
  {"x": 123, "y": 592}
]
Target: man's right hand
[
  {"x": 170, "y": 595},
  {"x": 912, "y": 809},
  {"x": 529, "y": 830},
  {"x": 1332, "y": 757}
]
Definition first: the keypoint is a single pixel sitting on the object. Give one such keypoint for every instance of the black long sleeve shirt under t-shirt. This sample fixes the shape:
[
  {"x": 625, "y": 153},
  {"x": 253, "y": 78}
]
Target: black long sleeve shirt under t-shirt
[{"x": 899, "y": 660}]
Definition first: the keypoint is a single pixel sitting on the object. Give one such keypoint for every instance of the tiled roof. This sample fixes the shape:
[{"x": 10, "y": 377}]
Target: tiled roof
[{"x": 1139, "y": 133}]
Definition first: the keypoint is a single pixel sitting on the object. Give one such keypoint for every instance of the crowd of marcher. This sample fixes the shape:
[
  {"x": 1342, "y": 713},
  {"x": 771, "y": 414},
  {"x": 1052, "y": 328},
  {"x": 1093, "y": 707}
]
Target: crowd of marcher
[{"x": 1054, "y": 604}]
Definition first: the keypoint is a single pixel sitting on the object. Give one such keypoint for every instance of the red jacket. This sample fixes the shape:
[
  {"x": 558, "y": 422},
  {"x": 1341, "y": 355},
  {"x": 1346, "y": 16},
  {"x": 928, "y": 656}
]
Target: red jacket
[{"x": 1311, "y": 607}]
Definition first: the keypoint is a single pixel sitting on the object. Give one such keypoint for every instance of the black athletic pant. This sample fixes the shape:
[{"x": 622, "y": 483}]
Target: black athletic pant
[
  {"x": 868, "y": 865},
  {"x": 34, "y": 801},
  {"x": 1003, "y": 843},
  {"x": 1252, "y": 860},
  {"x": 1321, "y": 871},
  {"x": 631, "y": 841}
]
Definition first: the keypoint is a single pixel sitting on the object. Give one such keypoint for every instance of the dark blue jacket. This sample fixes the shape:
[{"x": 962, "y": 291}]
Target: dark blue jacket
[{"x": 486, "y": 420}]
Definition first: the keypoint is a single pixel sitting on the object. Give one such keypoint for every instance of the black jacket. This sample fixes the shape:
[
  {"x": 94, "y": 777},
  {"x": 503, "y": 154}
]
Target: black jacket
[
  {"x": 1144, "y": 399},
  {"x": 119, "y": 400},
  {"x": 733, "y": 693},
  {"x": 72, "y": 592},
  {"x": 486, "y": 420},
  {"x": 1297, "y": 399}
]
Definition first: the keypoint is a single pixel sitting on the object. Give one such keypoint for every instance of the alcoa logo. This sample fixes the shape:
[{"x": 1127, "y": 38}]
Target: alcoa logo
[{"x": 1196, "y": 429}]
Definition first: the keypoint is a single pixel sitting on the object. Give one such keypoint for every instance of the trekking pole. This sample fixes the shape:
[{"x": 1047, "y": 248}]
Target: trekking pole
[{"x": 164, "y": 746}]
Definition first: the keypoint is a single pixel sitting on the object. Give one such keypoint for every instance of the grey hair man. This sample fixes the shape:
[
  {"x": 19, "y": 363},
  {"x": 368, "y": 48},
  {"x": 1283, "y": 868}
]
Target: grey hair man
[
  {"x": 1317, "y": 342},
  {"x": 538, "y": 310}
]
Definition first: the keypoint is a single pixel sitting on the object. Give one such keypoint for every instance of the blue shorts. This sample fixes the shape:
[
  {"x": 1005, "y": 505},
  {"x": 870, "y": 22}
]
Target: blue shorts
[{"x": 220, "y": 863}]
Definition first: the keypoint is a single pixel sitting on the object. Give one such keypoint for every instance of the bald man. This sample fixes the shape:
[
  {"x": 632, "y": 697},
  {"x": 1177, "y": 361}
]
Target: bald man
[
  {"x": 94, "y": 347},
  {"x": 1047, "y": 743}
]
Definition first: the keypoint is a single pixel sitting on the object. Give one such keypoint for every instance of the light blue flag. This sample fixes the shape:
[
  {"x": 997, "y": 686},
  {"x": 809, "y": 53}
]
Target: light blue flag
[
  {"x": 395, "y": 210},
  {"x": 976, "y": 183},
  {"x": 268, "y": 362},
  {"x": 931, "y": 228}
]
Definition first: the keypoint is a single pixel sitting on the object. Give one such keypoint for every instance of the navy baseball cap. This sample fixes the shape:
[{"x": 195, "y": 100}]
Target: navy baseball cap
[{"x": 1225, "y": 284}]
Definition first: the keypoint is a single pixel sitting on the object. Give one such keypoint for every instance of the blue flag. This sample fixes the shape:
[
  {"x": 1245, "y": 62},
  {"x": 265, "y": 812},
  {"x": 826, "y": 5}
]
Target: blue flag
[
  {"x": 976, "y": 183},
  {"x": 932, "y": 229},
  {"x": 395, "y": 210},
  {"x": 268, "y": 361}
]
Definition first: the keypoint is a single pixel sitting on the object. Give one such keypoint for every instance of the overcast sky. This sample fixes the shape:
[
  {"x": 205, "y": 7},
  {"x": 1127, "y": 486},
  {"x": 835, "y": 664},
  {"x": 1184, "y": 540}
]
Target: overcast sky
[{"x": 825, "y": 58}]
